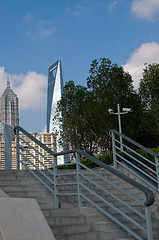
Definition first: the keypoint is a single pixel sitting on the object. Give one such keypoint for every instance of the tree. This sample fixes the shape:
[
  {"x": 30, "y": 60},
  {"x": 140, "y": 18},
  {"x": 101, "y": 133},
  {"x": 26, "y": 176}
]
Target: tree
[
  {"x": 149, "y": 92},
  {"x": 110, "y": 86},
  {"x": 85, "y": 121},
  {"x": 76, "y": 130}
]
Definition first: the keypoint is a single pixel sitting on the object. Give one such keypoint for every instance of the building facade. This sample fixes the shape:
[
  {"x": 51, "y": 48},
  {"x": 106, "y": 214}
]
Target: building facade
[
  {"x": 54, "y": 94},
  {"x": 9, "y": 118},
  {"x": 9, "y": 107},
  {"x": 55, "y": 90},
  {"x": 49, "y": 139}
]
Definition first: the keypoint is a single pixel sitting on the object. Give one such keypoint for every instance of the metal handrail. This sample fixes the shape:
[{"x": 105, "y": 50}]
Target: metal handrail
[
  {"x": 148, "y": 193},
  {"x": 133, "y": 142},
  {"x": 143, "y": 171},
  {"x": 149, "y": 196},
  {"x": 35, "y": 140}
]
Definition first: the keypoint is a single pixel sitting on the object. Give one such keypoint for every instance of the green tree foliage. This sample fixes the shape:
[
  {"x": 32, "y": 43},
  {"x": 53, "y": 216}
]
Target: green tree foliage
[
  {"x": 85, "y": 121},
  {"x": 149, "y": 92},
  {"x": 76, "y": 129},
  {"x": 110, "y": 85}
]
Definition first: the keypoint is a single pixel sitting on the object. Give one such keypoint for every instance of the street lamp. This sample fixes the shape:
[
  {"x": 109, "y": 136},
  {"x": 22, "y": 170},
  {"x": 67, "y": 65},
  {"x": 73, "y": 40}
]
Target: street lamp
[{"x": 125, "y": 110}]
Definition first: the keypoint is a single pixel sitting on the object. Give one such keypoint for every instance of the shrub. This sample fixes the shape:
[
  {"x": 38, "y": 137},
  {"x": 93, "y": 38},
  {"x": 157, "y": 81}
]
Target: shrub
[{"x": 108, "y": 159}]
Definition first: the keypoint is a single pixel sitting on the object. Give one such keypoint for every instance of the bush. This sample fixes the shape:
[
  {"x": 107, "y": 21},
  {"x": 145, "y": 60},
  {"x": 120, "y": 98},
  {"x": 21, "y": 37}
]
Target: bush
[{"x": 108, "y": 159}]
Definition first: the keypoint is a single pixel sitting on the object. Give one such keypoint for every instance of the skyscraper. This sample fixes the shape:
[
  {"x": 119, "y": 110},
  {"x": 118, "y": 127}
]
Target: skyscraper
[
  {"x": 9, "y": 117},
  {"x": 9, "y": 110},
  {"x": 55, "y": 90}
]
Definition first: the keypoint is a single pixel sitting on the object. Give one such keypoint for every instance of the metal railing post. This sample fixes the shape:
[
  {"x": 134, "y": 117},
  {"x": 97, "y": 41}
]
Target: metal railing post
[
  {"x": 157, "y": 170},
  {"x": 8, "y": 138},
  {"x": 17, "y": 148},
  {"x": 148, "y": 223},
  {"x": 79, "y": 190},
  {"x": 56, "y": 197},
  {"x": 114, "y": 150}
]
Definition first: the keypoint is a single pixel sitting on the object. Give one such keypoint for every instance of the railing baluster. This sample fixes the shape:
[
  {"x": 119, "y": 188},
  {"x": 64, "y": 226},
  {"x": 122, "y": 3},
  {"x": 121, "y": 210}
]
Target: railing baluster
[
  {"x": 157, "y": 170},
  {"x": 56, "y": 197},
  {"x": 148, "y": 223},
  {"x": 17, "y": 147},
  {"x": 79, "y": 190},
  {"x": 114, "y": 150}
]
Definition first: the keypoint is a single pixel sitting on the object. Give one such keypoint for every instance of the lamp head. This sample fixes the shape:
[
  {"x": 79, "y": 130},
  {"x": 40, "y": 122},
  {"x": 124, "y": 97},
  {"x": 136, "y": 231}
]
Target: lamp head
[
  {"x": 110, "y": 111},
  {"x": 127, "y": 110}
]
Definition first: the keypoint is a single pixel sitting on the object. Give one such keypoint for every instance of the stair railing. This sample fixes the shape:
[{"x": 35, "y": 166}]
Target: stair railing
[
  {"x": 127, "y": 154},
  {"x": 111, "y": 197}
]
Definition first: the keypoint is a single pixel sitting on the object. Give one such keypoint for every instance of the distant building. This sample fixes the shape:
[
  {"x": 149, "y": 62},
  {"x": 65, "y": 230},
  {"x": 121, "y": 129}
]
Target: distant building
[
  {"x": 9, "y": 118},
  {"x": 48, "y": 139},
  {"x": 9, "y": 109},
  {"x": 2, "y": 156},
  {"x": 55, "y": 90}
]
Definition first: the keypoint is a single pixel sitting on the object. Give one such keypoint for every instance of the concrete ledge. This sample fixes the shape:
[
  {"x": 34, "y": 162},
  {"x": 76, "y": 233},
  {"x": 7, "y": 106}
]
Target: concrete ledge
[{"x": 22, "y": 219}]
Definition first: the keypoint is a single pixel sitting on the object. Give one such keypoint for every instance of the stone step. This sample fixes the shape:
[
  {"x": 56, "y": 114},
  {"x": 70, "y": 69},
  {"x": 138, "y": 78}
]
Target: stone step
[
  {"x": 71, "y": 220},
  {"x": 23, "y": 184},
  {"x": 83, "y": 232},
  {"x": 65, "y": 215},
  {"x": 78, "y": 236},
  {"x": 33, "y": 194},
  {"x": 71, "y": 229}
]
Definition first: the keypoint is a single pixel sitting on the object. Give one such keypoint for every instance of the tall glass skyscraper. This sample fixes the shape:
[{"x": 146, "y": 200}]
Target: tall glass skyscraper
[
  {"x": 55, "y": 90},
  {"x": 9, "y": 110}
]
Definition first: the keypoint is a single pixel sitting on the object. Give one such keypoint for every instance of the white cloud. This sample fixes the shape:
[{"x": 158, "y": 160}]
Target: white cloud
[
  {"x": 80, "y": 10},
  {"x": 28, "y": 18},
  {"x": 146, "y": 53},
  {"x": 45, "y": 28},
  {"x": 112, "y": 6},
  {"x": 145, "y": 8},
  {"x": 30, "y": 89},
  {"x": 36, "y": 27}
]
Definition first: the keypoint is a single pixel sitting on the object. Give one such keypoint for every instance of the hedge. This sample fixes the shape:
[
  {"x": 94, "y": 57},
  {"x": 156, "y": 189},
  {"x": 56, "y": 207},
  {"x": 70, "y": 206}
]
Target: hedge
[{"x": 108, "y": 159}]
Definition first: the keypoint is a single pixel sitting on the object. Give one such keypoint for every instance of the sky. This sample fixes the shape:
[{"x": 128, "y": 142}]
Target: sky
[{"x": 36, "y": 33}]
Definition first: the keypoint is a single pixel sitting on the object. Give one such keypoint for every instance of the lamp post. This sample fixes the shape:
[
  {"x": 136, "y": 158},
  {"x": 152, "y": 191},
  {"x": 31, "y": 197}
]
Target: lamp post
[{"x": 125, "y": 110}]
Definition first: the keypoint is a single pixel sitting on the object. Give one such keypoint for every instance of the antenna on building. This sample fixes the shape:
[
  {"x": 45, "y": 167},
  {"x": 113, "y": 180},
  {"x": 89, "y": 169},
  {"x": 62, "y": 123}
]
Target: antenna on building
[{"x": 8, "y": 82}]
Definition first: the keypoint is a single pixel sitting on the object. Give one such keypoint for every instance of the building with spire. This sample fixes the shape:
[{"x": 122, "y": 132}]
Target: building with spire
[
  {"x": 9, "y": 117},
  {"x": 9, "y": 108},
  {"x": 55, "y": 90}
]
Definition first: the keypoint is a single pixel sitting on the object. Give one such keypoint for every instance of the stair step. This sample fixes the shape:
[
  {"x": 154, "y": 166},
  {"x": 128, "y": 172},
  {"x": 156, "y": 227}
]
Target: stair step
[
  {"x": 71, "y": 229},
  {"x": 78, "y": 236},
  {"x": 76, "y": 223}
]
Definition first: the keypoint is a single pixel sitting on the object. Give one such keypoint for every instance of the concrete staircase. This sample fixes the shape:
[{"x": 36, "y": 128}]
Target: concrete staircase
[{"x": 70, "y": 222}]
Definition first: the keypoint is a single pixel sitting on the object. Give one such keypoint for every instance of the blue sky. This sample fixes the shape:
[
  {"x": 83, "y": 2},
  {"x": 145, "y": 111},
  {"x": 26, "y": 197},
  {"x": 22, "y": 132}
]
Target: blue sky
[{"x": 34, "y": 34}]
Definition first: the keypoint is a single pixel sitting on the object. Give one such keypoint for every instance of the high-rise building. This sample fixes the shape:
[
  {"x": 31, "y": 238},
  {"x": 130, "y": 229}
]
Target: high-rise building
[
  {"x": 9, "y": 117},
  {"x": 55, "y": 90},
  {"x": 49, "y": 139},
  {"x": 9, "y": 110}
]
